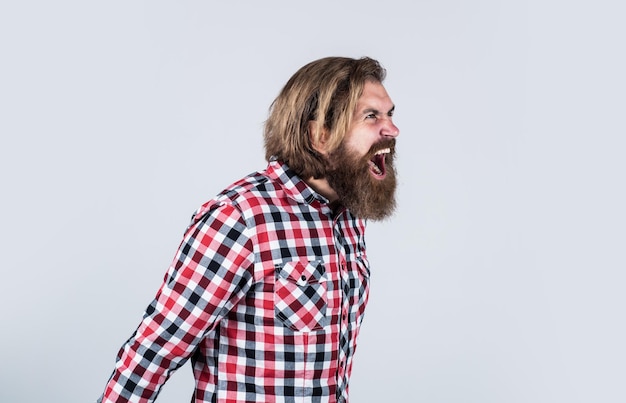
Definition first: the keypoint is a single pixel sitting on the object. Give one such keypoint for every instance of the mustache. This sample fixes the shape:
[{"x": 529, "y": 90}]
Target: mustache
[{"x": 381, "y": 145}]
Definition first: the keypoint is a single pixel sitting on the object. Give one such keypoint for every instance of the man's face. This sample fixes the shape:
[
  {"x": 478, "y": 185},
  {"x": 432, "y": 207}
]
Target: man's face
[{"x": 362, "y": 171}]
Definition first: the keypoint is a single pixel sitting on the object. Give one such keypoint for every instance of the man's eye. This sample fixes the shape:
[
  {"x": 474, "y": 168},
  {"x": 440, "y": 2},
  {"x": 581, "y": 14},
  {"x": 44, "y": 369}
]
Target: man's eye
[{"x": 371, "y": 116}]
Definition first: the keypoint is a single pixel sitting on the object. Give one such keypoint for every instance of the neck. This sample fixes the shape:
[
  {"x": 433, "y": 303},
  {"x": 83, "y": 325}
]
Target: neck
[{"x": 322, "y": 187}]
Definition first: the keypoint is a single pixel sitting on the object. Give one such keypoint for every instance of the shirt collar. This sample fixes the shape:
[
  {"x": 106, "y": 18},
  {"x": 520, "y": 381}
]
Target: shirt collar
[{"x": 292, "y": 184}]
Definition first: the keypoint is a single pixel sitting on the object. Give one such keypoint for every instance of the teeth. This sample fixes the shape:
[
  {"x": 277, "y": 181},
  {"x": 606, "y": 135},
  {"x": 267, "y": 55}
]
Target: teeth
[
  {"x": 375, "y": 168},
  {"x": 383, "y": 151}
]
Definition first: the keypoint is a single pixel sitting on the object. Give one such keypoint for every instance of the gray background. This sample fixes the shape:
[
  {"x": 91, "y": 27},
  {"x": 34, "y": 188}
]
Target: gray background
[{"x": 500, "y": 279}]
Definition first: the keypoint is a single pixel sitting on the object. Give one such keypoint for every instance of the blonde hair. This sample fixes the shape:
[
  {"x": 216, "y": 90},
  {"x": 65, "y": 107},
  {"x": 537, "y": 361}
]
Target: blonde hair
[{"x": 325, "y": 91}]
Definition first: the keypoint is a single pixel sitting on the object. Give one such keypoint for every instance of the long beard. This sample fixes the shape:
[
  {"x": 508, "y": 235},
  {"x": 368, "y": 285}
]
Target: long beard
[{"x": 365, "y": 196}]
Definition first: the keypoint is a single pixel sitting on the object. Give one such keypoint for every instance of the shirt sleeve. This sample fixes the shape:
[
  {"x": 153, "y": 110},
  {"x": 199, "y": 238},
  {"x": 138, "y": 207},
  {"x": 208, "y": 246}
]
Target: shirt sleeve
[{"x": 212, "y": 271}]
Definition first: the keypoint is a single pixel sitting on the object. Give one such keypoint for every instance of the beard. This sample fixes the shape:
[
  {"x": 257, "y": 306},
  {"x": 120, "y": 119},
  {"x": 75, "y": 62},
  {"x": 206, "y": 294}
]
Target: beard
[{"x": 350, "y": 176}]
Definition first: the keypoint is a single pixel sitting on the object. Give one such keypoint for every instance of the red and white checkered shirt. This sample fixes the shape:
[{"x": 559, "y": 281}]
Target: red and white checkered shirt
[{"x": 265, "y": 296}]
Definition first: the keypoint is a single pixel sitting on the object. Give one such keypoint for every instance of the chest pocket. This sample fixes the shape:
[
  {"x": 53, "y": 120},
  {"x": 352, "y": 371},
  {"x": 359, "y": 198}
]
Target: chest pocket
[{"x": 301, "y": 295}]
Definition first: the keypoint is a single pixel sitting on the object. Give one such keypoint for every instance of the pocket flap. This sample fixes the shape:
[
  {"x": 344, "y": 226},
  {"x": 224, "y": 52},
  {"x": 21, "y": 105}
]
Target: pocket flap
[
  {"x": 302, "y": 272},
  {"x": 364, "y": 265}
]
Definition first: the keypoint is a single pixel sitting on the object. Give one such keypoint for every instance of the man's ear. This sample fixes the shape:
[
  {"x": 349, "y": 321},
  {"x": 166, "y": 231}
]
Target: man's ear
[{"x": 318, "y": 137}]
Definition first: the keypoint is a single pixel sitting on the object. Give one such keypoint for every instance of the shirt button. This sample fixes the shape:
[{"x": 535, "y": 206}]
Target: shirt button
[{"x": 303, "y": 277}]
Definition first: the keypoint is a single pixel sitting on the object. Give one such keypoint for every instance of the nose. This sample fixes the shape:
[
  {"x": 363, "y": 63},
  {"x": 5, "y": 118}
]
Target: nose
[{"x": 389, "y": 129}]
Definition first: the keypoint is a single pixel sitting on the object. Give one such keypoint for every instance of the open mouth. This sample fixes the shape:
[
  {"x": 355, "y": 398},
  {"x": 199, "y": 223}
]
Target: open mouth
[{"x": 377, "y": 163}]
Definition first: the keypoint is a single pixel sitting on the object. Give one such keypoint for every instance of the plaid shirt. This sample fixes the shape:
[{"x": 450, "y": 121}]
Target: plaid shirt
[{"x": 265, "y": 295}]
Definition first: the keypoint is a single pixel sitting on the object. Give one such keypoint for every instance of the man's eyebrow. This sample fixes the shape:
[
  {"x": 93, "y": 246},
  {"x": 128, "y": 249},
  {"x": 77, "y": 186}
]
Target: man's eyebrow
[{"x": 376, "y": 111}]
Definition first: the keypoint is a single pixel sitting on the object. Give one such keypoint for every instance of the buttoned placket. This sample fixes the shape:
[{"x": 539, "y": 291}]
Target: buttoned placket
[
  {"x": 343, "y": 278},
  {"x": 344, "y": 329}
]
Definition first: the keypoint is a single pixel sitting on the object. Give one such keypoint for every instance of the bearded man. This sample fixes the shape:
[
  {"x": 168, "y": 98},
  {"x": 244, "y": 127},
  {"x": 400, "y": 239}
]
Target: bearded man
[{"x": 267, "y": 290}]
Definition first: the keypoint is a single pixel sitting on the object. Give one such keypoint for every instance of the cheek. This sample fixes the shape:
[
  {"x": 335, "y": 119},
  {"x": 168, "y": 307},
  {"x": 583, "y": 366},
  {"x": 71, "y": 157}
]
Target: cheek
[
  {"x": 358, "y": 146},
  {"x": 360, "y": 139}
]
